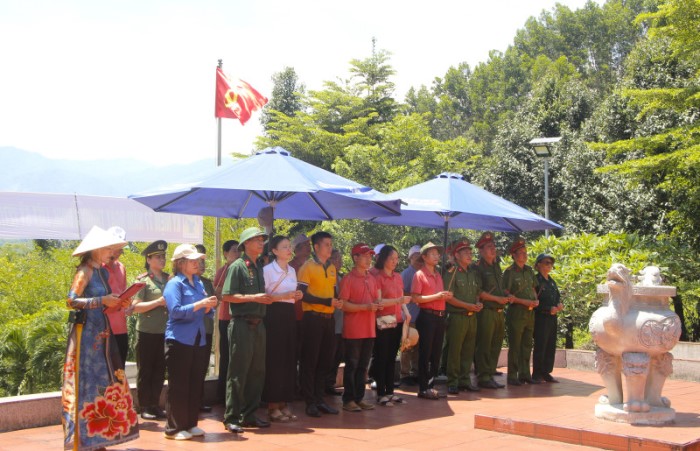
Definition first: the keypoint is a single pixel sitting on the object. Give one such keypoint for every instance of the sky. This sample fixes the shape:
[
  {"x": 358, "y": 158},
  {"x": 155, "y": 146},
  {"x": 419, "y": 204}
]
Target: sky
[{"x": 105, "y": 79}]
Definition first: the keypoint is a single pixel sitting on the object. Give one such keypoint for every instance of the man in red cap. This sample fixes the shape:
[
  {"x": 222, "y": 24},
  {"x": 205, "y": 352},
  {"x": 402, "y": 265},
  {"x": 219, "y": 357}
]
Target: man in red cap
[
  {"x": 490, "y": 320},
  {"x": 519, "y": 280},
  {"x": 358, "y": 291}
]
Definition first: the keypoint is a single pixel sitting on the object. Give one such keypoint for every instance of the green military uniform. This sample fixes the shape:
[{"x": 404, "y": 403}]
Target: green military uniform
[
  {"x": 490, "y": 321},
  {"x": 152, "y": 321},
  {"x": 461, "y": 324},
  {"x": 520, "y": 320},
  {"x": 247, "y": 341}
]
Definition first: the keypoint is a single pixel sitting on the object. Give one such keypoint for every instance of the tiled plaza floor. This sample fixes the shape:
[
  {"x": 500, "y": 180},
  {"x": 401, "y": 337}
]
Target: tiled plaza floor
[{"x": 421, "y": 424}]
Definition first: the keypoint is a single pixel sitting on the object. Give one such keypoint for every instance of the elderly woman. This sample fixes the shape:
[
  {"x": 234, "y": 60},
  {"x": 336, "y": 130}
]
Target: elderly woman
[
  {"x": 149, "y": 303},
  {"x": 388, "y": 339},
  {"x": 185, "y": 343},
  {"x": 97, "y": 405},
  {"x": 280, "y": 322},
  {"x": 545, "y": 320}
]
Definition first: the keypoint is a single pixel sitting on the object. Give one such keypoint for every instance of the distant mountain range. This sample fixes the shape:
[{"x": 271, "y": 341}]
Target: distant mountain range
[{"x": 24, "y": 171}]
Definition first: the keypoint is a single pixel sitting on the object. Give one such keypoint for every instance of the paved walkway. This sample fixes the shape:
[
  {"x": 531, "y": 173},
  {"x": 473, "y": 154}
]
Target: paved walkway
[{"x": 420, "y": 424}]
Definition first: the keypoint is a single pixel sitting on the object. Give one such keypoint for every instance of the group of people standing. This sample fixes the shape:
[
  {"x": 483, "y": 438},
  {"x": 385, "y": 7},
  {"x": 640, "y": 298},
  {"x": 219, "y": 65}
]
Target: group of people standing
[{"x": 287, "y": 317}]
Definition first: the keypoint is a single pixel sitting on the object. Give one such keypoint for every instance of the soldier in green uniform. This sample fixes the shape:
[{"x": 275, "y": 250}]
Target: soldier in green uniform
[
  {"x": 490, "y": 320},
  {"x": 150, "y": 325},
  {"x": 465, "y": 284},
  {"x": 244, "y": 290},
  {"x": 519, "y": 281}
]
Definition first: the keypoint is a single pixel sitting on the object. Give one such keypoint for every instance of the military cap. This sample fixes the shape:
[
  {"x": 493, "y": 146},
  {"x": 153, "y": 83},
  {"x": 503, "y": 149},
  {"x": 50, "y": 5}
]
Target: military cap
[
  {"x": 541, "y": 257},
  {"x": 460, "y": 244},
  {"x": 486, "y": 237},
  {"x": 250, "y": 232},
  {"x": 156, "y": 247},
  {"x": 515, "y": 245}
]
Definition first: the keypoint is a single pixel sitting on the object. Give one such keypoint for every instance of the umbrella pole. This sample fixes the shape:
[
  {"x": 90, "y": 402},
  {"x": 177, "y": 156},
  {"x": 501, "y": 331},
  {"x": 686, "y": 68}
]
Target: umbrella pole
[{"x": 444, "y": 246}]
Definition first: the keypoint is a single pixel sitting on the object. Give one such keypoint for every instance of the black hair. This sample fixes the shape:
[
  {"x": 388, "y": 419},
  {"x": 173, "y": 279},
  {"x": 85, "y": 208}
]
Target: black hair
[
  {"x": 229, "y": 244},
  {"x": 201, "y": 249},
  {"x": 383, "y": 254},
  {"x": 273, "y": 243},
  {"x": 320, "y": 236}
]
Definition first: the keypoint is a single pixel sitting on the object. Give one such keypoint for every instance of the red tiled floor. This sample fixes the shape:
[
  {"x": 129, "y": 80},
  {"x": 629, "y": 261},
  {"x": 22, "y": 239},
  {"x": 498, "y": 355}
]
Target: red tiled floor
[{"x": 425, "y": 424}]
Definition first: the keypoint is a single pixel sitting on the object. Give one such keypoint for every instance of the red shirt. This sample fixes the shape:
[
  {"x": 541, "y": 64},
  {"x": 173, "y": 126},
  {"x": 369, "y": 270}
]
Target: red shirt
[
  {"x": 117, "y": 283},
  {"x": 359, "y": 288},
  {"x": 219, "y": 279},
  {"x": 426, "y": 284},
  {"x": 392, "y": 288}
]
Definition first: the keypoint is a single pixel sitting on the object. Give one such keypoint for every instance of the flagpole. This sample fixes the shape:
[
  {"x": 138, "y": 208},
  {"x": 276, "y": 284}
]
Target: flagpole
[
  {"x": 217, "y": 231},
  {"x": 217, "y": 246}
]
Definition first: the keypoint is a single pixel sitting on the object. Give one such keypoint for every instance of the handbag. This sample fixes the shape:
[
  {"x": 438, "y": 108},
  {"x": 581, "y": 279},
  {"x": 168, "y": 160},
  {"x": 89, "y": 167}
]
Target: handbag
[{"x": 386, "y": 322}]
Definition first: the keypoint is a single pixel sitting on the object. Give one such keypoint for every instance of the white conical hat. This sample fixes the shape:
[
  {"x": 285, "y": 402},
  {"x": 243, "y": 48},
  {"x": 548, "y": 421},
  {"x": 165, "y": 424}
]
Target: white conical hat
[{"x": 95, "y": 239}]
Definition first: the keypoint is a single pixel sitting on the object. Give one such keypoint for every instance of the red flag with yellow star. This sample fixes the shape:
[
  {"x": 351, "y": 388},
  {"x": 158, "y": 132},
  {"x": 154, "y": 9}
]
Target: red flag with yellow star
[{"x": 236, "y": 99}]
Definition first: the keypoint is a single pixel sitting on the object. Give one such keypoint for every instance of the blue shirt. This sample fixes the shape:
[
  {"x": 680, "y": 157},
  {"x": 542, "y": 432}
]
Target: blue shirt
[
  {"x": 183, "y": 322},
  {"x": 407, "y": 277}
]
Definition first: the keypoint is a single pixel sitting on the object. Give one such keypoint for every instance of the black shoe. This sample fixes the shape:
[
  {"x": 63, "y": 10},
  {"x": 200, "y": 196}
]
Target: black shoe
[
  {"x": 529, "y": 380},
  {"x": 453, "y": 390},
  {"x": 498, "y": 373},
  {"x": 488, "y": 384},
  {"x": 148, "y": 415},
  {"x": 205, "y": 409},
  {"x": 549, "y": 378},
  {"x": 233, "y": 428},
  {"x": 515, "y": 382},
  {"x": 160, "y": 413},
  {"x": 469, "y": 387},
  {"x": 409, "y": 381},
  {"x": 325, "y": 408},
  {"x": 333, "y": 392},
  {"x": 256, "y": 423},
  {"x": 312, "y": 411}
]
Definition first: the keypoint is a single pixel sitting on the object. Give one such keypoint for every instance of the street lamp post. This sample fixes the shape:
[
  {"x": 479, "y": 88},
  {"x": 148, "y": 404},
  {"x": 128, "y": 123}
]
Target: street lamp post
[{"x": 543, "y": 149}]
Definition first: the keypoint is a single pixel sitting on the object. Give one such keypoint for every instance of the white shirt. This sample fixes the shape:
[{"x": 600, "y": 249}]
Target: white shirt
[{"x": 275, "y": 278}]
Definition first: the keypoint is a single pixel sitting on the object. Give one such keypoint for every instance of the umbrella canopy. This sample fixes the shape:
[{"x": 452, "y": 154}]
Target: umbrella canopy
[
  {"x": 449, "y": 201},
  {"x": 272, "y": 177}
]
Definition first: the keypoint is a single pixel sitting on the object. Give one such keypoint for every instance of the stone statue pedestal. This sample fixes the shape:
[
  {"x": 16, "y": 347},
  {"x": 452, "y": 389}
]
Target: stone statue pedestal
[
  {"x": 655, "y": 416},
  {"x": 634, "y": 331}
]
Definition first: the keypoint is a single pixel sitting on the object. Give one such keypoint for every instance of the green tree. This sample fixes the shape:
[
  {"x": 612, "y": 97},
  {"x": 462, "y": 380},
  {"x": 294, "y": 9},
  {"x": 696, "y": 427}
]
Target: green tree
[{"x": 287, "y": 93}]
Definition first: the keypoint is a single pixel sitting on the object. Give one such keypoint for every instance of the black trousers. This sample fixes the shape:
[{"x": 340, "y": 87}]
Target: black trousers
[
  {"x": 358, "y": 352},
  {"x": 223, "y": 360},
  {"x": 186, "y": 368},
  {"x": 316, "y": 355},
  {"x": 338, "y": 354},
  {"x": 431, "y": 330},
  {"x": 386, "y": 346},
  {"x": 150, "y": 363},
  {"x": 123, "y": 346},
  {"x": 545, "y": 344}
]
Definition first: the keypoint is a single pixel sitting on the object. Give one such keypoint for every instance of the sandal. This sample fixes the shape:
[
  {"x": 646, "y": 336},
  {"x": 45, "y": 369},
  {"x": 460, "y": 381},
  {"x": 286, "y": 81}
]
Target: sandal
[
  {"x": 288, "y": 413},
  {"x": 396, "y": 399},
  {"x": 278, "y": 416},
  {"x": 429, "y": 394},
  {"x": 385, "y": 401}
]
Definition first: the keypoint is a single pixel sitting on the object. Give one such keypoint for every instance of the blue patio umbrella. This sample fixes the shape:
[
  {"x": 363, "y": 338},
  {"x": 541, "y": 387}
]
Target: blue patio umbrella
[
  {"x": 272, "y": 177},
  {"x": 450, "y": 201}
]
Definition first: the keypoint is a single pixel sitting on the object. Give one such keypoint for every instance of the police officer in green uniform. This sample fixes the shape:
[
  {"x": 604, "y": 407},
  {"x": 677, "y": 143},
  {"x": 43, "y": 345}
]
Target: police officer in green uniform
[
  {"x": 150, "y": 325},
  {"x": 464, "y": 282},
  {"x": 490, "y": 320},
  {"x": 519, "y": 281},
  {"x": 244, "y": 290},
  {"x": 545, "y": 320}
]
